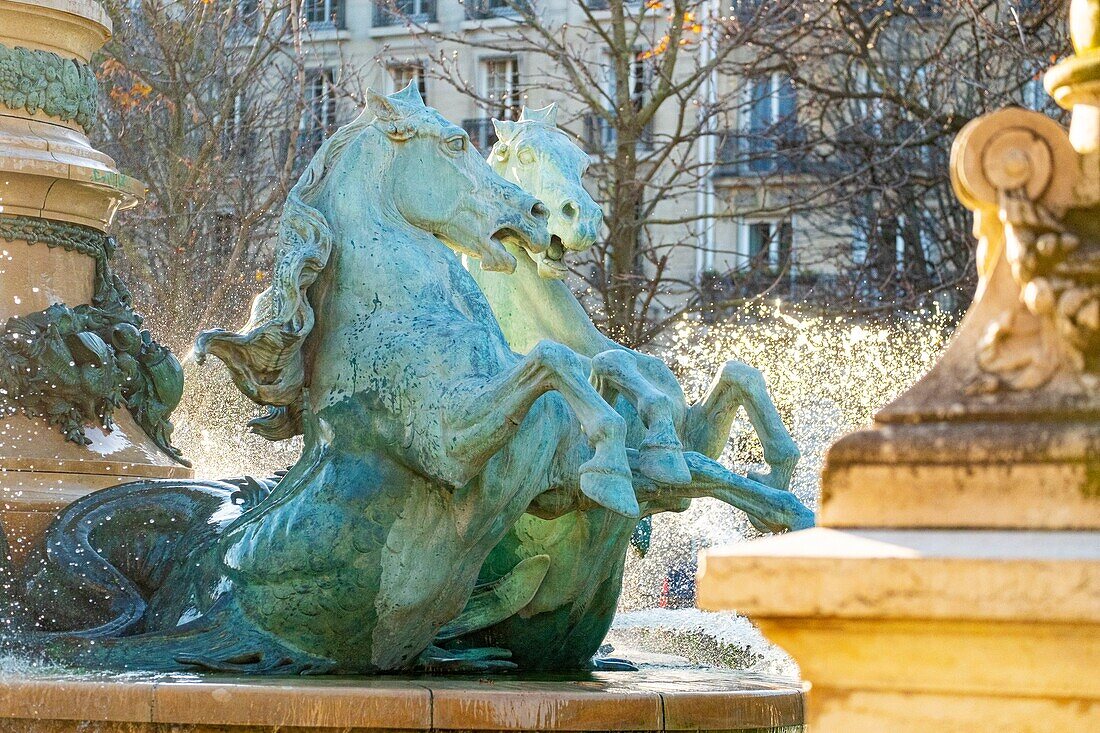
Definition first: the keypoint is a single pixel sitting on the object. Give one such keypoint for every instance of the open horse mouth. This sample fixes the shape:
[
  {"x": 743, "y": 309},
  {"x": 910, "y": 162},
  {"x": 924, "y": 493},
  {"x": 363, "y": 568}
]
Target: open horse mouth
[
  {"x": 550, "y": 262},
  {"x": 514, "y": 237}
]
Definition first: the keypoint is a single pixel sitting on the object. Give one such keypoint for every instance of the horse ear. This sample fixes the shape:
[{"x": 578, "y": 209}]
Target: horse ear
[
  {"x": 409, "y": 95},
  {"x": 548, "y": 114},
  {"x": 505, "y": 129},
  {"x": 381, "y": 107}
]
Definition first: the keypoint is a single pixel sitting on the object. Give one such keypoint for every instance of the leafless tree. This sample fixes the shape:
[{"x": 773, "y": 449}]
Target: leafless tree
[
  {"x": 215, "y": 106},
  {"x": 883, "y": 91},
  {"x": 839, "y": 112}
]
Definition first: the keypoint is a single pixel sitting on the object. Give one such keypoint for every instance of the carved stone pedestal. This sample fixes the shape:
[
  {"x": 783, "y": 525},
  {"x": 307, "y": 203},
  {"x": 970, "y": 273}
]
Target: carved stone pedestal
[
  {"x": 58, "y": 195},
  {"x": 954, "y": 584}
]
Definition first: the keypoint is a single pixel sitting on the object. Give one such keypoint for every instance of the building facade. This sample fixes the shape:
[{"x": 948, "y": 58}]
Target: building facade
[{"x": 744, "y": 215}]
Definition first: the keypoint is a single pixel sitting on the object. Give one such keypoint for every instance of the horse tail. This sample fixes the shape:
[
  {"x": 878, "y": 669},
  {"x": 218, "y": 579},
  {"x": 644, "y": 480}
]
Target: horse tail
[{"x": 108, "y": 552}]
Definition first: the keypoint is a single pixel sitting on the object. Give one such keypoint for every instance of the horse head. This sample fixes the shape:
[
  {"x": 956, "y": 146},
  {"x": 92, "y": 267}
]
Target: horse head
[
  {"x": 544, "y": 161},
  {"x": 443, "y": 187},
  {"x": 447, "y": 189}
]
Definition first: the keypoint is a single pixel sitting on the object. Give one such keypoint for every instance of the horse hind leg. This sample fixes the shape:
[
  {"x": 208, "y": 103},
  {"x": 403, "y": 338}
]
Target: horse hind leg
[
  {"x": 710, "y": 420},
  {"x": 769, "y": 508},
  {"x": 489, "y": 415},
  {"x": 661, "y": 453}
]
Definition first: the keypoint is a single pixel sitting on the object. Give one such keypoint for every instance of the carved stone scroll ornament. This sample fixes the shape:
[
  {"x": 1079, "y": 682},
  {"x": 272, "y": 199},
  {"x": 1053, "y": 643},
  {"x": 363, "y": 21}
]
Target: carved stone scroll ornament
[
  {"x": 1018, "y": 172},
  {"x": 36, "y": 81},
  {"x": 73, "y": 366}
]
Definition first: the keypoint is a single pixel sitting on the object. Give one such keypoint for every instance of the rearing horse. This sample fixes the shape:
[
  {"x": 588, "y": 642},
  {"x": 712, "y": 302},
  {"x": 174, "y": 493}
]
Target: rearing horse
[
  {"x": 425, "y": 436},
  {"x": 567, "y": 619}
]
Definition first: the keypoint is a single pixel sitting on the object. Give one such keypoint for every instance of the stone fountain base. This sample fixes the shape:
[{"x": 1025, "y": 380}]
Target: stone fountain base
[{"x": 650, "y": 700}]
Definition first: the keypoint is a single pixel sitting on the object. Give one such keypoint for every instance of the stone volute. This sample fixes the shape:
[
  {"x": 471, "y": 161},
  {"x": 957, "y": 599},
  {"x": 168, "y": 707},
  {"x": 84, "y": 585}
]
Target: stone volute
[{"x": 58, "y": 196}]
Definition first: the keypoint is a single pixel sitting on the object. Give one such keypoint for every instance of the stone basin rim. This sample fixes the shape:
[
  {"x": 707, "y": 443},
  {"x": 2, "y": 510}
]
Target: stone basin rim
[{"x": 642, "y": 701}]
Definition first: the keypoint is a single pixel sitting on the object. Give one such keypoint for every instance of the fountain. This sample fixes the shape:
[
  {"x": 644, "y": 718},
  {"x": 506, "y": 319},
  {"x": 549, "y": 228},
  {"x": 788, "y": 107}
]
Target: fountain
[
  {"x": 954, "y": 583},
  {"x": 75, "y": 426},
  {"x": 417, "y": 533},
  {"x": 448, "y": 549}
]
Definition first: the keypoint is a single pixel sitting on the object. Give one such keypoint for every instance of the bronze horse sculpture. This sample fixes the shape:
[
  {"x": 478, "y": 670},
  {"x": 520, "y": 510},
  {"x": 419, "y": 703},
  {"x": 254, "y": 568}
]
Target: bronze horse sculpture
[
  {"x": 568, "y": 617},
  {"x": 426, "y": 438}
]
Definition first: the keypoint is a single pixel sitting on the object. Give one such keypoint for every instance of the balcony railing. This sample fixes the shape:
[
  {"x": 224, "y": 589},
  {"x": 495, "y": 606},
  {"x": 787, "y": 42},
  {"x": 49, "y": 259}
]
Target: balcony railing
[
  {"x": 389, "y": 12},
  {"x": 601, "y": 137},
  {"x": 484, "y": 9},
  {"x": 748, "y": 154},
  {"x": 481, "y": 132}
]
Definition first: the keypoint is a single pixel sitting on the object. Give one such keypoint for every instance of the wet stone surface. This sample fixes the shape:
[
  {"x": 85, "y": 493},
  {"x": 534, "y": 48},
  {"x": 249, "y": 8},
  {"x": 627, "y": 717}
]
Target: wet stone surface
[{"x": 651, "y": 700}]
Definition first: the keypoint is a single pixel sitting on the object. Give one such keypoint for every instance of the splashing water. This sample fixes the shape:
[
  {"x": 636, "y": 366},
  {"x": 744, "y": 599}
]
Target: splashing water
[
  {"x": 698, "y": 638},
  {"x": 827, "y": 375},
  {"x": 210, "y": 427}
]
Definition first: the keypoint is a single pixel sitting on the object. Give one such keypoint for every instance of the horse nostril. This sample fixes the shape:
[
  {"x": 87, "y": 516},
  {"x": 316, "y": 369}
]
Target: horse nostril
[
  {"x": 569, "y": 210},
  {"x": 539, "y": 211}
]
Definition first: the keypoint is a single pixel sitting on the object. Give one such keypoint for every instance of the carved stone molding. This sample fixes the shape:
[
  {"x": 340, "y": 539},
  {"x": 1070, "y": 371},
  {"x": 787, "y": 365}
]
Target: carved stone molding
[
  {"x": 40, "y": 81},
  {"x": 72, "y": 237},
  {"x": 1003, "y": 168}
]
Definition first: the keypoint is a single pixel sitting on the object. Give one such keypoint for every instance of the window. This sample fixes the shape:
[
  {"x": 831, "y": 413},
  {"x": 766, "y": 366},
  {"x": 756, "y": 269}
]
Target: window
[
  {"x": 771, "y": 103},
  {"x": 404, "y": 74},
  {"x": 766, "y": 243},
  {"x": 233, "y": 126},
  {"x": 641, "y": 77},
  {"x": 769, "y": 127},
  {"x": 1035, "y": 95},
  {"x": 886, "y": 243},
  {"x": 501, "y": 88},
  {"x": 861, "y": 240},
  {"x": 391, "y": 12},
  {"x": 599, "y": 132},
  {"x": 246, "y": 12},
  {"x": 319, "y": 117},
  {"x": 324, "y": 13},
  {"x": 482, "y": 9}
]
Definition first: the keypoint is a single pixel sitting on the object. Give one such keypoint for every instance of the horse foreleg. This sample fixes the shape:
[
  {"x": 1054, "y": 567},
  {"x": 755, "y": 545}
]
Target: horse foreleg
[
  {"x": 710, "y": 420},
  {"x": 661, "y": 452},
  {"x": 775, "y": 509},
  {"x": 488, "y": 415}
]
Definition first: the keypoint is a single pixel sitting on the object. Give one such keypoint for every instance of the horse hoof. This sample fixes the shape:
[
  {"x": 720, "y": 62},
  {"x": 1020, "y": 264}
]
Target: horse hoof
[
  {"x": 610, "y": 489},
  {"x": 665, "y": 465}
]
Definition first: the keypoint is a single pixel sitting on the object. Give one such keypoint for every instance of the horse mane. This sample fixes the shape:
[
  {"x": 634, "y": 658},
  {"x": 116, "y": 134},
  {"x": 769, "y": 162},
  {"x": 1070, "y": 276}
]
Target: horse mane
[{"x": 265, "y": 358}]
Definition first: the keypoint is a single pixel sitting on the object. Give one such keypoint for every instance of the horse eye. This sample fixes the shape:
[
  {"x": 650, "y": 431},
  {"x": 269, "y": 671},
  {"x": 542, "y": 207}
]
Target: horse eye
[
  {"x": 526, "y": 156},
  {"x": 456, "y": 144}
]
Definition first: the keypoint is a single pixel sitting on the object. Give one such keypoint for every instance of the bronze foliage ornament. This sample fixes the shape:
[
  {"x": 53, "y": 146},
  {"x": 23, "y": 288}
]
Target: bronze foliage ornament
[
  {"x": 74, "y": 366},
  {"x": 37, "y": 81}
]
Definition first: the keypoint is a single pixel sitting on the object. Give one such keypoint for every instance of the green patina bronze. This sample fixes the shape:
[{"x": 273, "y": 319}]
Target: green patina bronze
[
  {"x": 40, "y": 81},
  {"x": 73, "y": 366},
  {"x": 567, "y": 619},
  {"x": 391, "y": 542}
]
